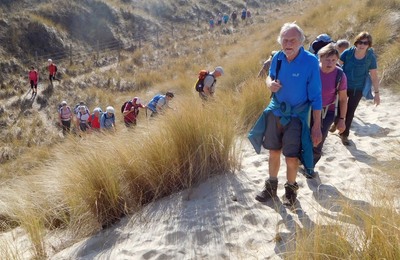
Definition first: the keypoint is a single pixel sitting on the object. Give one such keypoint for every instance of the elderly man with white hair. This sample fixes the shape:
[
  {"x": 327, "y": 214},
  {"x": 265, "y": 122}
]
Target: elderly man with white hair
[{"x": 295, "y": 82}]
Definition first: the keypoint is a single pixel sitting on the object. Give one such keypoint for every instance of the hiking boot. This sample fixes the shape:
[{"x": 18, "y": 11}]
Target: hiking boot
[
  {"x": 333, "y": 128},
  {"x": 269, "y": 191},
  {"x": 345, "y": 140},
  {"x": 290, "y": 196}
]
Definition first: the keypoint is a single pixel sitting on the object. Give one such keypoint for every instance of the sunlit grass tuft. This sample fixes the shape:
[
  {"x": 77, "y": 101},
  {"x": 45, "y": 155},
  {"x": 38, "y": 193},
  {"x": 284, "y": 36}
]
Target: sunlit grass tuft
[
  {"x": 120, "y": 173},
  {"x": 357, "y": 231}
]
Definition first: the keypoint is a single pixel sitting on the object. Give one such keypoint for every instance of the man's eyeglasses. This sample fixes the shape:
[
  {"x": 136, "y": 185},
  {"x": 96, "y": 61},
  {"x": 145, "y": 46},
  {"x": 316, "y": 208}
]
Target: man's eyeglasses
[{"x": 363, "y": 42}]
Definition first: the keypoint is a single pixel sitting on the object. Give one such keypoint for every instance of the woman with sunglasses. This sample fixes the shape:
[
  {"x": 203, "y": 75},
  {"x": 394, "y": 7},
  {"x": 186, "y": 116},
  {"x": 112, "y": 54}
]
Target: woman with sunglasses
[{"x": 359, "y": 62}]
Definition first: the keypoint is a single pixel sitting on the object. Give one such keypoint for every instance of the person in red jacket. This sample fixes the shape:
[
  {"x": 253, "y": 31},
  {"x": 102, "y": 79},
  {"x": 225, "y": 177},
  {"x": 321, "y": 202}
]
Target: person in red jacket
[
  {"x": 131, "y": 111},
  {"x": 33, "y": 79},
  {"x": 52, "y": 71},
  {"x": 94, "y": 119}
]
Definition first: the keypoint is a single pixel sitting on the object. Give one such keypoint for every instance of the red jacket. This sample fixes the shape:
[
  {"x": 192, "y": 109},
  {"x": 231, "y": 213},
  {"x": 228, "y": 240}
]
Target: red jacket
[
  {"x": 52, "y": 69},
  {"x": 33, "y": 75},
  {"x": 131, "y": 117},
  {"x": 94, "y": 121}
]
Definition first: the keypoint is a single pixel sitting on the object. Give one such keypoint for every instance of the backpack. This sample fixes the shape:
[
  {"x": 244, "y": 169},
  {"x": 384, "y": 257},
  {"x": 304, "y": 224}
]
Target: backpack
[
  {"x": 155, "y": 99},
  {"x": 60, "y": 109},
  {"x": 105, "y": 117},
  {"x": 338, "y": 81},
  {"x": 200, "y": 81},
  {"x": 76, "y": 108},
  {"x": 124, "y": 105}
]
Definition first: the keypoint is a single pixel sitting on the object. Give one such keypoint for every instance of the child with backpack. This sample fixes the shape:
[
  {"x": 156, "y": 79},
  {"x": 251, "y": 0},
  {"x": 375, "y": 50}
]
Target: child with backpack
[{"x": 130, "y": 110}]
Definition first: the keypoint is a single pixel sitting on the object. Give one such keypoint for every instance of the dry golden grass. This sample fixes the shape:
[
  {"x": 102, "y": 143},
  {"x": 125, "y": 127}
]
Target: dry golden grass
[
  {"x": 93, "y": 182},
  {"x": 82, "y": 184},
  {"x": 358, "y": 232},
  {"x": 45, "y": 21}
]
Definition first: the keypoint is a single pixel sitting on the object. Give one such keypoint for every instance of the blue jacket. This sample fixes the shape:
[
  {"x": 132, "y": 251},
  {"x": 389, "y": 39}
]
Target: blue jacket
[
  {"x": 107, "y": 122},
  {"x": 257, "y": 133}
]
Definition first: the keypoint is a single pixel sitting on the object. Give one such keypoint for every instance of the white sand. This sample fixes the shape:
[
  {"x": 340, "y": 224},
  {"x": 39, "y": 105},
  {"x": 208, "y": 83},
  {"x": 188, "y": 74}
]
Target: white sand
[{"x": 220, "y": 219}]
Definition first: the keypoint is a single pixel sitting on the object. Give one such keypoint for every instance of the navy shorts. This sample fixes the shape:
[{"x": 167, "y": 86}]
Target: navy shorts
[{"x": 287, "y": 138}]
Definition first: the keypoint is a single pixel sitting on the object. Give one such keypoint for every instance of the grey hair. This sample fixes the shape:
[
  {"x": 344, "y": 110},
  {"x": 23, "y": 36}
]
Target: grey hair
[
  {"x": 288, "y": 26},
  {"x": 343, "y": 43}
]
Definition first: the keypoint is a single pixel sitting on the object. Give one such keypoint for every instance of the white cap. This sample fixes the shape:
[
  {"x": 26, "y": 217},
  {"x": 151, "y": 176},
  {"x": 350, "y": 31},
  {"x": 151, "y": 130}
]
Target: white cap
[
  {"x": 219, "y": 69},
  {"x": 63, "y": 102},
  {"x": 97, "y": 109},
  {"x": 110, "y": 109},
  {"x": 138, "y": 101},
  {"x": 50, "y": 60}
]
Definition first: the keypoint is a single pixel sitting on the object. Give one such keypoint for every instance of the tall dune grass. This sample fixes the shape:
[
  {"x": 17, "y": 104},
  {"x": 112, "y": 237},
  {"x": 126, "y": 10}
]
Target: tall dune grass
[
  {"x": 357, "y": 232},
  {"x": 109, "y": 175},
  {"x": 91, "y": 182}
]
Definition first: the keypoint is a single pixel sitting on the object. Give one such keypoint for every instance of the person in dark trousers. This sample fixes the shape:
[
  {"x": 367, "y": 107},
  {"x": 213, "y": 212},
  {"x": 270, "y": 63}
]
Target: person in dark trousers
[
  {"x": 52, "y": 71},
  {"x": 334, "y": 94},
  {"x": 360, "y": 66},
  {"x": 65, "y": 117},
  {"x": 33, "y": 79}
]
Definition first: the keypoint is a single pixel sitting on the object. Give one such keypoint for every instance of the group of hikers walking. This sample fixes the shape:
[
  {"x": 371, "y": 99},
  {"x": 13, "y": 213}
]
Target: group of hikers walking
[
  {"x": 313, "y": 92},
  {"x": 99, "y": 120},
  {"x": 220, "y": 19},
  {"x": 33, "y": 76}
]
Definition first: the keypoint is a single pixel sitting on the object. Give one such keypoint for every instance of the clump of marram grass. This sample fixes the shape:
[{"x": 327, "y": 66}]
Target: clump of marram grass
[
  {"x": 359, "y": 231},
  {"x": 32, "y": 204},
  {"x": 124, "y": 171},
  {"x": 252, "y": 99}
]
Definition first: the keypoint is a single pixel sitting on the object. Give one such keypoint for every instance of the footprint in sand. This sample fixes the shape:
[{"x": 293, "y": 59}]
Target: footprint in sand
[
  {"x": 202, "y": 237},
  {"x": 251, "y": 219},
  {"x": 175, "y": 237},
  {"x": 330, "y": 158},
  {"x": 257, "y": 163}
]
